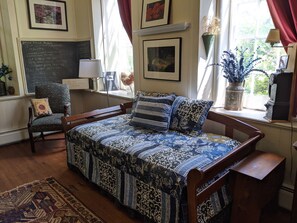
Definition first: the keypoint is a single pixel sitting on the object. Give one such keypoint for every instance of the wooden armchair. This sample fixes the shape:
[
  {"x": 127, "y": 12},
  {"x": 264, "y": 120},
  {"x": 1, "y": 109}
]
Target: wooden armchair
[{"x": 59, "y": 101}]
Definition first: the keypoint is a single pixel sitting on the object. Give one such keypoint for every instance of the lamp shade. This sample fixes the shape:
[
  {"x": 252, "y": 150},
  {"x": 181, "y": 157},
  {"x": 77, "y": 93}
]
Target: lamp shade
[
  {"x": 273, "y": 37},
  {"x": 90, "y": 68}
]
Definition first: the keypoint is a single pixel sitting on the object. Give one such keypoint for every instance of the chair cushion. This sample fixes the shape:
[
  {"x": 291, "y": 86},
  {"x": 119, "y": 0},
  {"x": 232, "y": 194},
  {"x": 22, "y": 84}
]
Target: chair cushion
[
  {"x": 41, "y": 107},
  {"x": 153, "y": 113},
  {"x": 47, "y": 123},
  {"x": 189, "y": 114}
]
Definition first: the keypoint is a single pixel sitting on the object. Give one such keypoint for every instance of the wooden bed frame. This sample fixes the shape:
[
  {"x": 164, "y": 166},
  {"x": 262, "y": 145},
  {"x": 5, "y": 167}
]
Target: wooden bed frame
[{"x": 195, "y": 177}]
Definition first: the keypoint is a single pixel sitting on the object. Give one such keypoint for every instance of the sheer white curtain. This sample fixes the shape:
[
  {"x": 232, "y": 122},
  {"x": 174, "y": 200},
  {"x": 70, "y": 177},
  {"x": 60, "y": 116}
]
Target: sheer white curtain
[{"x": 211, "y": 83}]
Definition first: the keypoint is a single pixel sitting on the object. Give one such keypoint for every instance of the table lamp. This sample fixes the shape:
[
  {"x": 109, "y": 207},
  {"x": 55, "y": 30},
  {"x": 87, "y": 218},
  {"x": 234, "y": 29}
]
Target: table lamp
[{"x": 91, "y": 68}]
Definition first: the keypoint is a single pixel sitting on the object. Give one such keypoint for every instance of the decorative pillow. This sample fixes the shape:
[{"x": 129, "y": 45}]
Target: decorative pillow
[
  {"x": 41, "y": 107},
  {"x": 153, "y": 112},
  {"x": 145, "y": 93},
  {"x": 189, "y": 114}
]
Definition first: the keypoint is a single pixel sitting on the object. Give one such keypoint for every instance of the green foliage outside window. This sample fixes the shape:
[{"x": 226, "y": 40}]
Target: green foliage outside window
[{"x": 251, "y": 32}]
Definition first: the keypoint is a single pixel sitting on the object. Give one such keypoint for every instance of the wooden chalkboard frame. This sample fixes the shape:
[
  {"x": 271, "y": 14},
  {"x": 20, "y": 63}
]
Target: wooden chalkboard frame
[{"x": 51, "y": 60}]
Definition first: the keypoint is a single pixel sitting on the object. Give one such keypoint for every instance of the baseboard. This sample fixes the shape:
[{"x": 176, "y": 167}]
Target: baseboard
[
  {"x": 13, "y": 136},
  {"x": 286, "y": 197}
]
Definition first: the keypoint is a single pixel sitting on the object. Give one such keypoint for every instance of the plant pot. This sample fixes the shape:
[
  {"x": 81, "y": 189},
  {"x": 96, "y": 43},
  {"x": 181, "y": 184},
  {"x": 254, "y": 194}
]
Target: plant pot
[
  {"x": 233, "y": 98},
  {"x": 2, "y": 88},
  {"x": 207, "y": 41},
  {"x": 10, "y": 90}
]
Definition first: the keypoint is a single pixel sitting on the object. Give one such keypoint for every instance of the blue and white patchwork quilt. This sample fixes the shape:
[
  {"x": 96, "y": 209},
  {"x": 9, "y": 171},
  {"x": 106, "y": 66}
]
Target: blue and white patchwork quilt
[{"x": 147, "y": 170}]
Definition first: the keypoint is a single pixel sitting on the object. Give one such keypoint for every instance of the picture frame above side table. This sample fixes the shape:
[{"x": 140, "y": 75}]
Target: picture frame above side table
[{"x": 47, "y": 15}]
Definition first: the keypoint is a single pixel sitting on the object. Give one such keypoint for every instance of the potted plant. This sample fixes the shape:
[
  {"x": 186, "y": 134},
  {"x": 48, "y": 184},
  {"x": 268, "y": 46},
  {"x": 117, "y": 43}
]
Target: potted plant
[
  {"x": 237, "y": 66},
  {"x": 4, "y": 70},
  {"x": 210, "y": 28}
]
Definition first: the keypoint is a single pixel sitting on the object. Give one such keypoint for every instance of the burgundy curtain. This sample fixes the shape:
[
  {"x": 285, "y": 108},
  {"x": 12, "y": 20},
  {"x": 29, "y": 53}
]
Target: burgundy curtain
[
  {"x": 125, "y": 12},
  {"x": 284, "y": 16}
]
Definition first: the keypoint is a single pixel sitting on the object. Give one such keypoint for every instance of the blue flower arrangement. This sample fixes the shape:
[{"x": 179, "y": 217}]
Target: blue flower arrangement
[
  {"x": 4, "y": 70},
  {"x": 238, "y": 65}
]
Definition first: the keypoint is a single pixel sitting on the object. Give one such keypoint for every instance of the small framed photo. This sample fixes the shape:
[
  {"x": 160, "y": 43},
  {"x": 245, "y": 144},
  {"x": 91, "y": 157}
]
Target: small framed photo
[
  {"x": 283, "y": 62},
  {"x": 50, "y": 15},
  {"x": 155, "y": 13},
  {"x": 162, "y": 59}
]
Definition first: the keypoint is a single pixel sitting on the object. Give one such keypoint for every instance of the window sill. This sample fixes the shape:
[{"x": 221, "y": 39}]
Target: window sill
[
  {"x": 256, "y": 116},
  {"x": 119, "y": 94}
]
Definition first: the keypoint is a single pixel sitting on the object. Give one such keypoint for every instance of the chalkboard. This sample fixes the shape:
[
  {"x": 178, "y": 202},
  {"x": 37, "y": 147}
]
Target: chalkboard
[{"x": 51, "y": 61}]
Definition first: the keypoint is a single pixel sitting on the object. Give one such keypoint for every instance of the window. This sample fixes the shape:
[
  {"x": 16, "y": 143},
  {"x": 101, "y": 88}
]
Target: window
[
  {"x": 250, "y": 24},
  {"x": 112, "y": 44}
]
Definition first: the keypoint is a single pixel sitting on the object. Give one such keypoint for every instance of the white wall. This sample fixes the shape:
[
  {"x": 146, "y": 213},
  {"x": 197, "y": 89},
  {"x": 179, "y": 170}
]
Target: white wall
[{"x": 179, "y": 13}]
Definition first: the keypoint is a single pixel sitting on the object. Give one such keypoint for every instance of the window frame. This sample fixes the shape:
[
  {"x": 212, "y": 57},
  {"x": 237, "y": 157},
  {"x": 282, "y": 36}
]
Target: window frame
[
  {"x": 103, "y": 37},
  {"x": 251, "y": 100}
]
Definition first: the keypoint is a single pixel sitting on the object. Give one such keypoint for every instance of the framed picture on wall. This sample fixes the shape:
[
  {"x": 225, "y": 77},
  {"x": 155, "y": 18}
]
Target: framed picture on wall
[
  {"x": 50, "y": 15},
  {"x": 162, "y": 59},
  {"x": 155, "y": 13},
  {"x": 283, "y": 62}
]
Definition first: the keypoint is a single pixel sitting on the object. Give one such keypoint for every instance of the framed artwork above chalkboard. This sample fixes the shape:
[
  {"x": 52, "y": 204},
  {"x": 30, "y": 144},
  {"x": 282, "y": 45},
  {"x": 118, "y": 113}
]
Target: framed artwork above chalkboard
[{"x": 50, "y": 15}]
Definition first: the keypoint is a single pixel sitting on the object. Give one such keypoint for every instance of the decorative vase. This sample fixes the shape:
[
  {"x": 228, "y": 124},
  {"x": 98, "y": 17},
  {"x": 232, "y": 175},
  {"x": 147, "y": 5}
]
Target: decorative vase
[
  {"x": 10, "y": 90},
  {"x": 207, "y": 41},
  {"x": 2, "y": 88},
  {"x": 233, "y": 98}
]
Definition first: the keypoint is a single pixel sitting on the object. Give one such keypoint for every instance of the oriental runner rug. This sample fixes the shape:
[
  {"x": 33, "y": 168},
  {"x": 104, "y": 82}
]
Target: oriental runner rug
[{"x": 43, "y": 201}]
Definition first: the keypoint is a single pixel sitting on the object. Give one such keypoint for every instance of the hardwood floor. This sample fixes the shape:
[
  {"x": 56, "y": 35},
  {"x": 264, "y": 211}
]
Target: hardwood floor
[{"x": 18, "y": 166}]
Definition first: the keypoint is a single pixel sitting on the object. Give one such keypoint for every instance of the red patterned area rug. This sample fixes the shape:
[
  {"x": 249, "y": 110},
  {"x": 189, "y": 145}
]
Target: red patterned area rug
[{"x": 43, "y": 201}]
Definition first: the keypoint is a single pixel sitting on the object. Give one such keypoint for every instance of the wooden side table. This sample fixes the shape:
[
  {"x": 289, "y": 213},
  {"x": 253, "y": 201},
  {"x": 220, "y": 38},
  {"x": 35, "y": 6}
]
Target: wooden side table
[{"x": 255, "y": 182}]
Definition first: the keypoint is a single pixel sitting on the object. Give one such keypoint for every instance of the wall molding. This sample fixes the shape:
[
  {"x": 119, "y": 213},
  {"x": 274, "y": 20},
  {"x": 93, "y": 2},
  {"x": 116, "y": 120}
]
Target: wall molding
[
  {"x": 285, "y": 197},
  {"x": 13, "y": 136}
]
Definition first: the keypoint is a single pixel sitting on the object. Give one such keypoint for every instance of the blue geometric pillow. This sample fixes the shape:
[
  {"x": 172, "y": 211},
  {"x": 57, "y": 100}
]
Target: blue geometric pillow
[
  {"x": 153, "y": 112},
  {"x": 189, "y": 114}
]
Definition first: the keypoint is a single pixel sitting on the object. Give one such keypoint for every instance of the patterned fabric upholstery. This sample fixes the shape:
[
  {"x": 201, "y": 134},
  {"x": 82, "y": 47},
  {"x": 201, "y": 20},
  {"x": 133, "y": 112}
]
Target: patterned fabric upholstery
[
  {"x": 58, "y": 95},
  {"x": 41, "y": 107},
  {"x": 47, "y": 123},
  {"x": 144, "y": 169},
  {"x": 189, "y": 114},
  {"x": 59, "y": 101}
]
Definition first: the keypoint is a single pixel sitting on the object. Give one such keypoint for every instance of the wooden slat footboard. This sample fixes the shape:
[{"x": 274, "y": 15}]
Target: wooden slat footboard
[{"x": 196, "y": 178}]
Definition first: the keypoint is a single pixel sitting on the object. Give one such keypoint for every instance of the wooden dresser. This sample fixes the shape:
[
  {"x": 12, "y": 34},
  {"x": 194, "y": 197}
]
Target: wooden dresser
[{"x": 255, "y": 183}]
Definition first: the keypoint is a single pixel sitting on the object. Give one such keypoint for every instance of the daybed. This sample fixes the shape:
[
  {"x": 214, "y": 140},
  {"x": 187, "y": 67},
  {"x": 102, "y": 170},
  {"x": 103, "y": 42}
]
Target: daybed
[{"x": 166, "y": 177}]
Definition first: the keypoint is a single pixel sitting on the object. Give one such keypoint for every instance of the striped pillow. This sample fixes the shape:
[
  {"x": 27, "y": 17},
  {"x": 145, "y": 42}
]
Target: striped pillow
[
  {"x": 146, "y": 93},
  {"x": 153, "y": 112}
]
